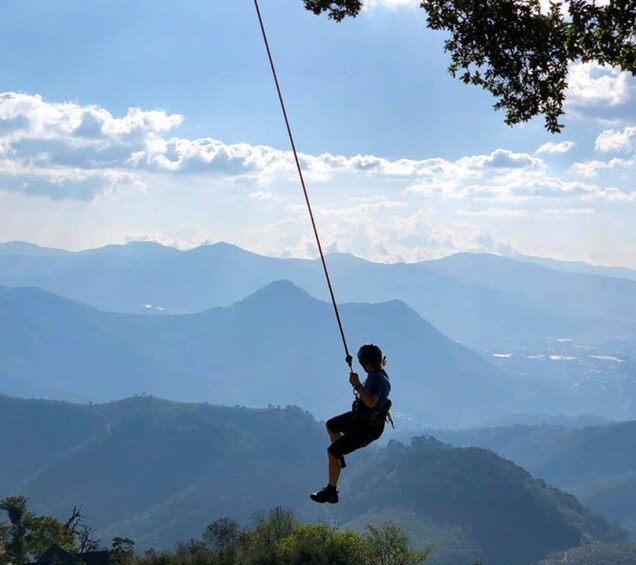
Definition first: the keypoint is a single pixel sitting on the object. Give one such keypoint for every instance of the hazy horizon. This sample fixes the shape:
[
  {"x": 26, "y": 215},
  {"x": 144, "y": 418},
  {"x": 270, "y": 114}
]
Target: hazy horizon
[{"x": 310, "y": 256}]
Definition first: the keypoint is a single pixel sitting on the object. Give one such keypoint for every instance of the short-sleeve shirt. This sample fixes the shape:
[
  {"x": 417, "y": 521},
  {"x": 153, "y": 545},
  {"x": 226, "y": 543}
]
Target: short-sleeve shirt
[{"x": 377, "y": 383}]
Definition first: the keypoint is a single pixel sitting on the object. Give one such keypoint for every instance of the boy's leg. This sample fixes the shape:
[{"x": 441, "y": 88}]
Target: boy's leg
[
  {"x": 345, "y": 444},
  {"x": 335, "y": 428},
  {"x": 333, "y": 436},
  {"x": 335, "y": 466},
  {"x": 330, "y": 492},
  {"x": 355, "y": 438}
]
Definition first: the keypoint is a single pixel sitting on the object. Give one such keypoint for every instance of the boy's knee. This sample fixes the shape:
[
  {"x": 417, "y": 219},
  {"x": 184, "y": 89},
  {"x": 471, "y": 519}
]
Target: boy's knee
[{"x": 334, "y": 451}]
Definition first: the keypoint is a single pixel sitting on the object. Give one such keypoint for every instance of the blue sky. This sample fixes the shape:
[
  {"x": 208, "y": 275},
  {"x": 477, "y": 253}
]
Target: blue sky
[{"x": 159, "y": 121}]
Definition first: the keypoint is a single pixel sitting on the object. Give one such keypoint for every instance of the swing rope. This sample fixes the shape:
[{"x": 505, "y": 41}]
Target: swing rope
[{"x": 348, "y": 357}]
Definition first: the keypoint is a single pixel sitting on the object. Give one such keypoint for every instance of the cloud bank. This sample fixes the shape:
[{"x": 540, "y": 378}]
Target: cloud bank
[
  {"x": 81, "y": 152},
  {"x": 614, "y": 141},
  {"x": 556, "y": 148},
  {"x": 127, "y": 173}
]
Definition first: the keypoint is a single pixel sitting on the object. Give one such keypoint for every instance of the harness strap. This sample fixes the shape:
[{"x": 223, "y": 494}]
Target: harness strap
[
  {"x": 381, "y": 416},
  {"x": 388, "y": 415}
]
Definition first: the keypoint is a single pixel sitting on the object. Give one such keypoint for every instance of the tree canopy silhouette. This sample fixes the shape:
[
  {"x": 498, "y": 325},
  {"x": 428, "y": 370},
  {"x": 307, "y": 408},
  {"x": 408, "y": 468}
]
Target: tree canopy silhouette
[
  {"x": 518, "y": 53},
  {"x": 279, "y": 537},
  {"x": 28, "y": 536}
]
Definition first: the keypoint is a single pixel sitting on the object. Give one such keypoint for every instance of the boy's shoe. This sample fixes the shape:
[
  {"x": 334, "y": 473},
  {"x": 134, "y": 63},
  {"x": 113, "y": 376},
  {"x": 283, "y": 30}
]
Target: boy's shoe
[{"x": 328, "y": 494}]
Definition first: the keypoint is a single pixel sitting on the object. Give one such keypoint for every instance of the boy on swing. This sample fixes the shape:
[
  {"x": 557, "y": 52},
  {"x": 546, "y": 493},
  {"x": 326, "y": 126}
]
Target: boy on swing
[{"x": 363, "y": 424}]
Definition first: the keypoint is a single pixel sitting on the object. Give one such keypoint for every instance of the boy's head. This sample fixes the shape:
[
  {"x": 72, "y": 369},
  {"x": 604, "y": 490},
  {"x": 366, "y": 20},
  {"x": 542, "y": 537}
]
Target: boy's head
[{"x": 370, "y": 355}]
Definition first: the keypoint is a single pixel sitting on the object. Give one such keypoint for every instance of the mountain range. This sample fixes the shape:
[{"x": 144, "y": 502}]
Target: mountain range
[
  {"x": 227, "y": 328},
  {"x": 279, "y": 346},
  {"x": 596, "y": 463},
  {"x": 483, "y": 301},
  {"x": 159, "y": 471},
  {"x": 579, "y": 267}
]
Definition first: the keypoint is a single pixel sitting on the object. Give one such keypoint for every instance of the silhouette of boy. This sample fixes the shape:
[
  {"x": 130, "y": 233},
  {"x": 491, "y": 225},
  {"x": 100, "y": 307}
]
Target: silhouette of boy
[{"x": 363, "y": 424}]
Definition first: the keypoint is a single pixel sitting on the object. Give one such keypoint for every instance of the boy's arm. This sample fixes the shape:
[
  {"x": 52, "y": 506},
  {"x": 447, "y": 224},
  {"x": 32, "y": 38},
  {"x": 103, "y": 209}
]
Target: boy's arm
[{"x": 369, "y": 399}]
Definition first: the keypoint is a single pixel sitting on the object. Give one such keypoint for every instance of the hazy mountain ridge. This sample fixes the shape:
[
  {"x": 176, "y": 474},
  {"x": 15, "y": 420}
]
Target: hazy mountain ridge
[
  {"x": 571, "y": 293},
  {"x": 472, "y": 298},
  {"x": 579, "y": 267},
  {"x": 134, "y": 277},
  {"x": 278, "y": 346},
  {"x": 24, "y": 248},
  {"x": 158, "y": 471}
]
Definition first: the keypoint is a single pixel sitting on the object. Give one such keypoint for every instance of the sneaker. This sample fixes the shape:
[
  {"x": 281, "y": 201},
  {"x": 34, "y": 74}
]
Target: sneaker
[{"x": 328, "y": 494}]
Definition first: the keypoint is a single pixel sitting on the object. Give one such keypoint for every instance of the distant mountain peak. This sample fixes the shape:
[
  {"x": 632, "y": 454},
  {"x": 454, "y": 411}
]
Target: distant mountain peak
[
  {"x": 132, "y": 248},
  {"x": 222, "y": 248},
  {"x": 468, "y": 255},
  {"x": 345, "y": 257},
  {"x": 26, "y": 248},
  {"x": 146, "y": 245},
  {"x": 223, "y": 245},
  {"x": 279, "y": 290}
]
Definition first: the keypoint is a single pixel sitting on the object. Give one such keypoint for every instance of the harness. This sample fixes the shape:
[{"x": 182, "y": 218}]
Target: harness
[{"x": 380, "y": 417}]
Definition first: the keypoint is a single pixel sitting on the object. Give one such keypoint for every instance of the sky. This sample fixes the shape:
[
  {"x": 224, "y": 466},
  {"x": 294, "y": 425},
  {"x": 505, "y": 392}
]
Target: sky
[{"x": 159, "y": 121}]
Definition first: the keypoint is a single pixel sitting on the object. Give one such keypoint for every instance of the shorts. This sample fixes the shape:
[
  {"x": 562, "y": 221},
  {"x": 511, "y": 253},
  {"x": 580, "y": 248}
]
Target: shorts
[{"x": 357, "y": 432}]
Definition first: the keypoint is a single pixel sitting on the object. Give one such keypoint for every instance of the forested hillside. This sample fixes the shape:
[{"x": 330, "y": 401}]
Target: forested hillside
[
  {"x": 597, "y": 463},
  {"x": 158, "y": 471}
]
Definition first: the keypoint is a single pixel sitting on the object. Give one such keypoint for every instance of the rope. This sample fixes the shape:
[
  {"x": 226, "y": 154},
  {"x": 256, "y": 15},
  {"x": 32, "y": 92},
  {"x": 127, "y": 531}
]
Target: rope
[{"x": 348, "y": 357}]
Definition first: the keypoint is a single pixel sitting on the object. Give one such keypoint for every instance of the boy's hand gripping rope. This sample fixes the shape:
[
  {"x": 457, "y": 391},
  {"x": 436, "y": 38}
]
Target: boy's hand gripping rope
[{"x": 348, "y": 357}]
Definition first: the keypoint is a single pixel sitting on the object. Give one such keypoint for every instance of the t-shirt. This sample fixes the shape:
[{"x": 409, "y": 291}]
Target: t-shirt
[{"x": 377, "y": 382}]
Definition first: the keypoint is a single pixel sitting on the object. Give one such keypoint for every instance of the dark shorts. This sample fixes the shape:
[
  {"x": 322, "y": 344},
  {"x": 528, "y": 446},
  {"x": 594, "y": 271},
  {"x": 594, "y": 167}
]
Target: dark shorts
[{"x": 357, "y": 432}]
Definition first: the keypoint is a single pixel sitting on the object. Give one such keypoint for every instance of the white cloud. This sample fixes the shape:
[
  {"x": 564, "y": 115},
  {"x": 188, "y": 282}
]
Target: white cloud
[
  {"x": 79, "y": 152},
  {"x": 518, "y": 185},
  {"x": 27, "y": 116},
  {"x": 40, "y": 136},
  {"x": 551, "y": 147},
  {"x": 591, "y": 167},
  {"x": 392, "y": 4},
  {"x": 266, "y": 196},
  {"x": 516, "y": 213},
  {"x": 66, "y": 183},
  {"x": 613, "y": 141},
  {"x": 598, "y": 91},
  {"x": 566, "y": 211},
  {"x": 503, "y": 159},
  {"x": 65, "y": 150},
  {"x": 383, "y": 231},
  {"x": 496, "y": 213}
]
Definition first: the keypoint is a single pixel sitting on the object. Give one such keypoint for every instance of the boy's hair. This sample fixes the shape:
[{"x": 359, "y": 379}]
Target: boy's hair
[{"x": 370, "y": 354}]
